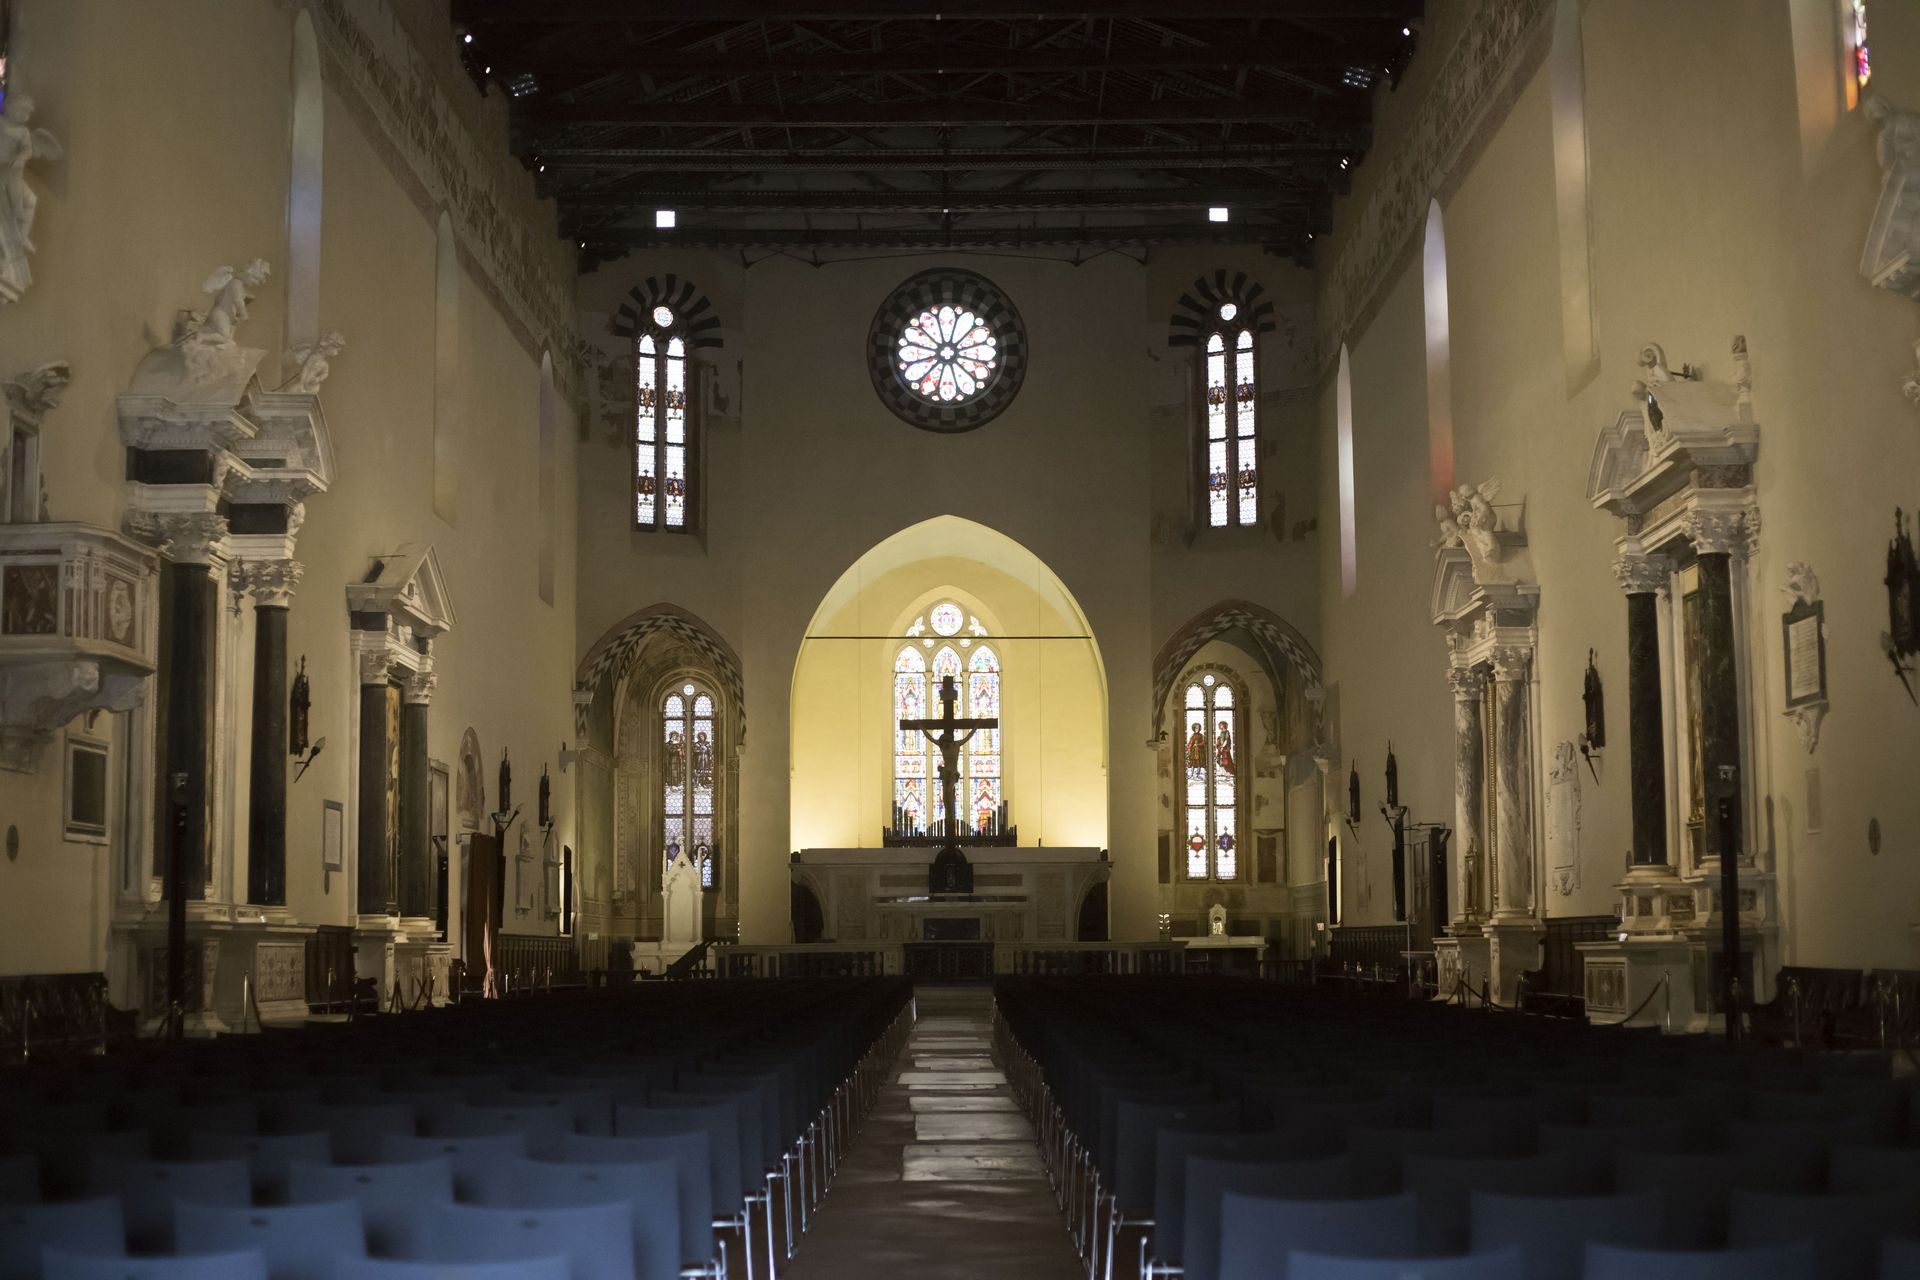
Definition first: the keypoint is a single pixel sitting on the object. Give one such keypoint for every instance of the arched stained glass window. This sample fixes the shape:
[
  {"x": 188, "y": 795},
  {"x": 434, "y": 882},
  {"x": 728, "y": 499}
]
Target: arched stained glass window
[
  {"x": 1212, "y": 766},
  {"x": 663, "y": 454},
  {"x": 1231, "y": 464},
  {"x": 688, "y": 779},
  {"x": 944, "y": 642}
]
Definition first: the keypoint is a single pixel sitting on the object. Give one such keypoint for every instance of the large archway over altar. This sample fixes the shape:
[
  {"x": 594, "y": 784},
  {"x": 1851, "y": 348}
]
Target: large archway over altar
[{"x": 949, "y": 590}]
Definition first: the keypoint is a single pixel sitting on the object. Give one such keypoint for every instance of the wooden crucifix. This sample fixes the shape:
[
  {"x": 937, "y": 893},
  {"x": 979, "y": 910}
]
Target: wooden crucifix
[{"x": 949, "y": 733}]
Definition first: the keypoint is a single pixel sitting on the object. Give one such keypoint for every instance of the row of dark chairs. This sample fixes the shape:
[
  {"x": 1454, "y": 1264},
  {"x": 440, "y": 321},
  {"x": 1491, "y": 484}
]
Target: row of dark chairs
[
  {"x": 1221, "y": 1129},
  {"x": 632, "y": 1133}
]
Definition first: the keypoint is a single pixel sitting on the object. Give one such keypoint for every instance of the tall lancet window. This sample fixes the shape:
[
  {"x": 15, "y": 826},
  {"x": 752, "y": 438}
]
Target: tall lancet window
[
  {"x": 1231, "y": 469},
  {"x": 688, "y": 768},
  {"x": 1213, "y": 779},
  {"x": 663, "y": 454},
  {"x": 947, "y": 641}
]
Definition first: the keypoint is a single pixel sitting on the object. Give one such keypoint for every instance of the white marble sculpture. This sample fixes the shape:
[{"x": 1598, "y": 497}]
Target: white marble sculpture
[
  {"x": 38, "y": 391},
  {"x": 1563, "y": 819},
  {"x": 1469, "y": 521},
  {"x": 1892, "y": 255},
  {"x": 204, "y": 363},
  {"x": 20, "y": 143},
  {"x": 1911, "y": 386},
  {"x": 313, "y": 357}
]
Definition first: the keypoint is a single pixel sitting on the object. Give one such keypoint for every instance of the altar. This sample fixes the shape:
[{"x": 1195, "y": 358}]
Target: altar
[{"x": 880, "y": 895}]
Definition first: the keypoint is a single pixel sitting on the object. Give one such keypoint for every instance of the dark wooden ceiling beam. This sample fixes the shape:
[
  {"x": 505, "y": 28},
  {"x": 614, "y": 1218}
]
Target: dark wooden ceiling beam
[
  {"x": 882, "y": 202},
  {"x": 927, "y": 59},
  {"x": 939, "y": 113},
  {"x": 654, "y": 12},
  {"x": 932, "y": 238},
  {"x": 1312, "y": 155}
]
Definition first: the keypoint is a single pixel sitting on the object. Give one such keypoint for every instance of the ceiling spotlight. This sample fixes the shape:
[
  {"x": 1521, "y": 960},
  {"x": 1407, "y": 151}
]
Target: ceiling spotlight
[
  {"x": 467, "y": 38},
  {"x": 1217, "y": 213},
  {"x": 664, "y": 219},
  {"x": 1406, "y": 31}
]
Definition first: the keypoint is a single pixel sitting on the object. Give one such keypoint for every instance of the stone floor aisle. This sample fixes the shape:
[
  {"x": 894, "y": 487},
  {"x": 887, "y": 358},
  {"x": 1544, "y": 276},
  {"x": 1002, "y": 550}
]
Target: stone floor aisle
[{"x": 945, "y": 1180}]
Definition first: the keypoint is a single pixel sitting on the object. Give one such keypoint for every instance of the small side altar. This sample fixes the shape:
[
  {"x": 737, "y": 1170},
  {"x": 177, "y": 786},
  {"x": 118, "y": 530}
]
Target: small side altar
[{"x": 881, "y": 895}]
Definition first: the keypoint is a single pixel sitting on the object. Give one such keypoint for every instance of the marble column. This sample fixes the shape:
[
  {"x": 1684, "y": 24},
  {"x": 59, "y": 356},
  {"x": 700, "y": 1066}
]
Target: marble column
[
  {"x": 1469, "y": 825},
  {"x": 1513, "y": 783},
  {"x": 375, "y": 862},
  {"x": 1716, "y": 537},
  {"x": 416, "y": 832},
  {"x": 1642, "y": 578},
  {"x": 271, "y": 584},
  {"x": 194, "y": 547}
]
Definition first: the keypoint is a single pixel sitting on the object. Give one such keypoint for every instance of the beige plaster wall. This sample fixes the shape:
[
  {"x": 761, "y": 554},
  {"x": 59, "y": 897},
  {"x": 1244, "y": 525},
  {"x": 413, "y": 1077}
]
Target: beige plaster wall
[
  {"x": 176, "y": 121},
  {"x": 1708, "y": 221},
  {"x": 1084, "y": 471}
]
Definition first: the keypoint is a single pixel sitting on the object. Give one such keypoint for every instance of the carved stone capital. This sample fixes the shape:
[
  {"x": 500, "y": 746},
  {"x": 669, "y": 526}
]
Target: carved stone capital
[
  {"x": 1642, "y": 574},
  {"x": 375, "y": 666},
  {"x": 184, "y": 537},
  {"x": 417, "y": 690},
  {"x": 1511, "y": 662},
  {"x": 1468, "y": 683},
  {"x": 269, "y": 582},
  {"x": 1735, "y": 533}
]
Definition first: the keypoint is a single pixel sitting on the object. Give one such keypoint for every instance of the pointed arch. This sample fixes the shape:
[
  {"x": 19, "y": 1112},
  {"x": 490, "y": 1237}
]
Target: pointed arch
[
  {"x": 1433, "y": 260},
  {"x": 1282, "y": 650},
  {"x": 446, "y": 365},
  {"x": 305, "y": 171},
  {"x": 1343, "y": 429},
  {"x": 608, "y": 661}
]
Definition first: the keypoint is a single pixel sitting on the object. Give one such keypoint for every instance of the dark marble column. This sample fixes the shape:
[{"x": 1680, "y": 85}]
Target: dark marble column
[
  {"x": 416, "y": 854},
  {"x": 1469, "y": 823},
  {"x": 1643, "y": 577},
  {"x": 193, "y": 545},
  {"x": 1719, "y": 695},
  {"x": 1718, "y": 536},
  {"x": 271, "y": 583},
  {"x": 1513, "y": 783},
  {"x": 375, "y": 862}
]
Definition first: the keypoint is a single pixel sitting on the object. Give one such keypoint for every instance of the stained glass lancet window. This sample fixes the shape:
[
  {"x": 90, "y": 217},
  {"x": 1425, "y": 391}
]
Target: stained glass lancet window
[
  {"x": 1232, "y": 464},
  {"x": 687, "y": 779},
  {"x": 1212, "y": 773},
  {"x": 947, "y": 641},
  {"x": 1862, "y": 60},
  {"x": 662, "y": 446}
]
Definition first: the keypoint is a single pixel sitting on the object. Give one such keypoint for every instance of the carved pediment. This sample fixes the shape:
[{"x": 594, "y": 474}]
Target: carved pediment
[
  {"x": 1676, "y": 426},
  {"x": 1455, "y": 593},
  {"x": 406, "y": 585}
]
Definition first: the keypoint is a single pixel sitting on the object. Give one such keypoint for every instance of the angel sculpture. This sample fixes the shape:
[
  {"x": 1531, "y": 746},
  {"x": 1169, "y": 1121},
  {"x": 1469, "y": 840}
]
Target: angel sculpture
[
  {"x": 19, "y": 144},
  {"x": 1451, "y": 534},
  {"x": 1475, "y": 521},
  {"x": 313, "y": 357},
  {"x": 231, "y": 293}
]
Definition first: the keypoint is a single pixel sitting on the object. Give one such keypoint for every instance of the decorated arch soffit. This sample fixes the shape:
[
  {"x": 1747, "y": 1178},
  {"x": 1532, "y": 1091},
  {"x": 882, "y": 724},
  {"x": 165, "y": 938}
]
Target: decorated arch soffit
[
  {"x": 1682, "y": 451},
  {"x": 1198, "y": 309},
  {"x": 625, "y": 643},
  {"x": 694, "y": 315},
  {"x": 1280, "y": 648}
]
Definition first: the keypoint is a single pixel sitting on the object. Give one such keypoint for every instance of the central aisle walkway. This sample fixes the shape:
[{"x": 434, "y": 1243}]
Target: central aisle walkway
[{"x": 945, "y": 1180}]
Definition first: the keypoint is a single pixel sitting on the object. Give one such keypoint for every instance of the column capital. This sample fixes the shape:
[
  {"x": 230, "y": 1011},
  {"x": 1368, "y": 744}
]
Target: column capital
[
  {"x": 375, "y": 664},
  {"x": 1511, "y": 661},
  {"x": 1642, "y": 574},
  {"x": 417, "y": 688},
  {"x": 1733, "y": 532},
  {"x": 184, "y": 537},
  {"x": 269, "y": 582},
  {"x": 1468, "y": 683}
]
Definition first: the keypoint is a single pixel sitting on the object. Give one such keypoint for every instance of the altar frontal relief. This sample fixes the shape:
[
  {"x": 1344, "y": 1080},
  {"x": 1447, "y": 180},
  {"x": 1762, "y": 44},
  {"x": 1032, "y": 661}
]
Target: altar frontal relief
[{"x": 949, "y": 599}]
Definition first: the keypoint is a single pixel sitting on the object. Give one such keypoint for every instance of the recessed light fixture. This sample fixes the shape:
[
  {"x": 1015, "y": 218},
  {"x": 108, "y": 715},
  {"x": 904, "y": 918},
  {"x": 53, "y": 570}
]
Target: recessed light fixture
[
  {"x": 1406, "y": 31},
  {"x": 1217, "y": 213},
  {"x": 664, "y": 219},
  {"x": 467, "y": 38}
]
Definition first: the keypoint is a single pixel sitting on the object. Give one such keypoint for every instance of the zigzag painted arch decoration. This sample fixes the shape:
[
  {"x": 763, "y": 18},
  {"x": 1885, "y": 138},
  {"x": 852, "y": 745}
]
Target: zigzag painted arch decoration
[
  {"x": 1198, "y": 310},
  {"x": 692, "y": 309}
]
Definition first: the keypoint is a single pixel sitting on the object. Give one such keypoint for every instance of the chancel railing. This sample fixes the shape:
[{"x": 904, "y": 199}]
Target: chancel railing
[
  {"x": 330, "y": 969},
  {"x": 535, "y": 962}
]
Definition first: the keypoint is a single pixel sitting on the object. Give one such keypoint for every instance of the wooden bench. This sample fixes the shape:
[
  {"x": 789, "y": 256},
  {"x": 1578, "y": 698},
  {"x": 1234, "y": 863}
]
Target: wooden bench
[{"x": 53, "y": 1014}]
